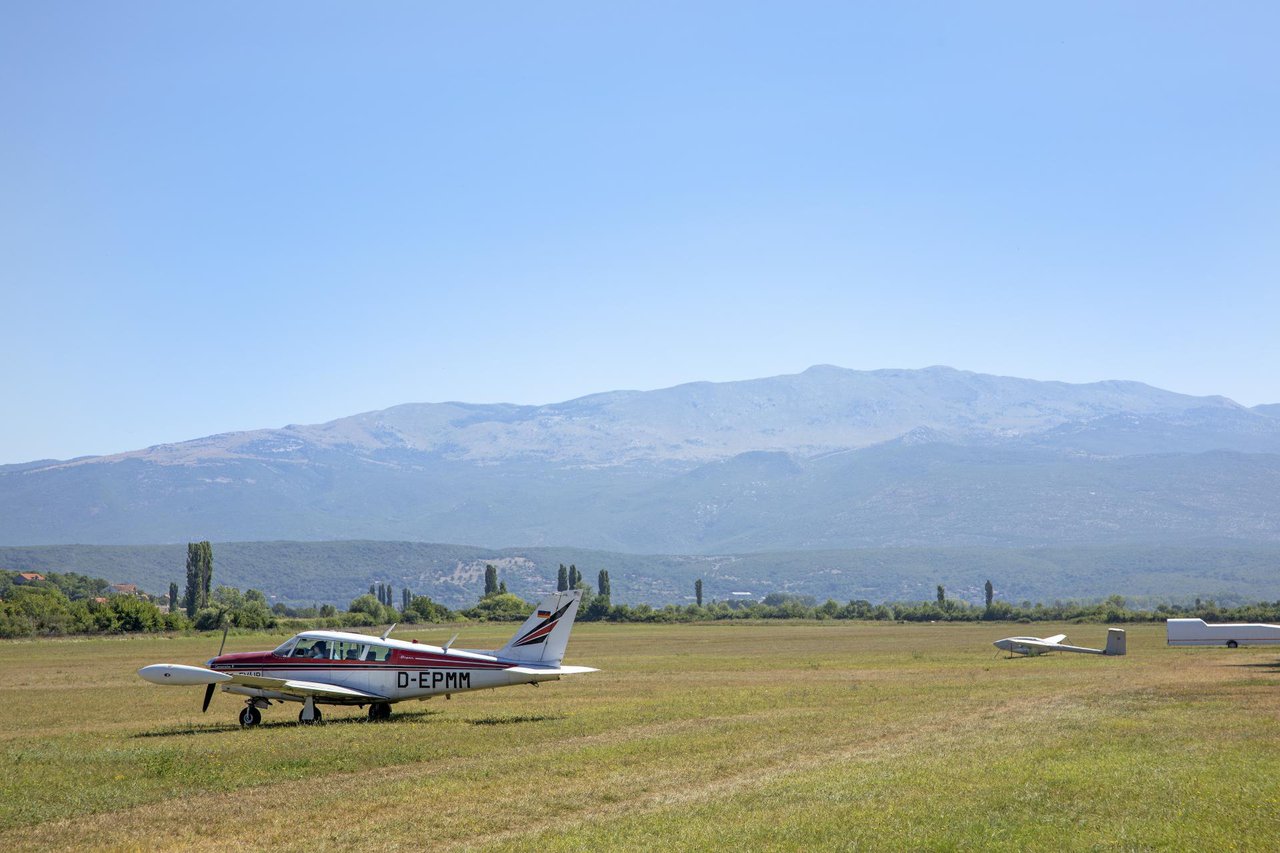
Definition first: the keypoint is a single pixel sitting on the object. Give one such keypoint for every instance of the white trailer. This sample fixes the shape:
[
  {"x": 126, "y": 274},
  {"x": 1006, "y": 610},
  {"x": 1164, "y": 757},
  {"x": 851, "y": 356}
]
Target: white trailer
[{"x": 1197, "y": 632}]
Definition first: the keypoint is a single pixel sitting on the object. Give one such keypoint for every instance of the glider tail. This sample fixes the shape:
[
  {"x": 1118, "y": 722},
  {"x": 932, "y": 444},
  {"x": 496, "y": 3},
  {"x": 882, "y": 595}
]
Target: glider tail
[
  {"x": 544, "y": 635},
  {"x": 1115, "y": 642}
]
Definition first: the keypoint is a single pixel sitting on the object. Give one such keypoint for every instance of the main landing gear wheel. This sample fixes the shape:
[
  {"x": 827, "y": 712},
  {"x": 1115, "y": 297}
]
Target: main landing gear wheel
[
  {"x": 379, "y": 711},
  {"x": 250, "y": 716},
  {"x": 1231, "y": 644},
  {"x": 308, "y": 722}
]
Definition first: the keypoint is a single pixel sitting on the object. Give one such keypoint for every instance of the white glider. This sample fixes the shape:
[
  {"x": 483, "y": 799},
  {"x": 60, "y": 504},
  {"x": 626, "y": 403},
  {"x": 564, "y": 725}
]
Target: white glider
[{"x": 1056, "y": 643}]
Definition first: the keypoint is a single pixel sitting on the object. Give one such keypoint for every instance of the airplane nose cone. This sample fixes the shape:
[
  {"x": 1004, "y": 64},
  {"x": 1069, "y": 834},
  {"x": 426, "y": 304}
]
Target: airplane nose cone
[{"x": 176, "y": 673}]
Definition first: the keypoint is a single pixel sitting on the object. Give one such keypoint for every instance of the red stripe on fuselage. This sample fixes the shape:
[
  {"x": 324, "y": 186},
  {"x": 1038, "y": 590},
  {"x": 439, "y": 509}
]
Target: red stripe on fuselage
[
  {"x": 256, "y": 660},
  {"x": 300, "y": 663}
]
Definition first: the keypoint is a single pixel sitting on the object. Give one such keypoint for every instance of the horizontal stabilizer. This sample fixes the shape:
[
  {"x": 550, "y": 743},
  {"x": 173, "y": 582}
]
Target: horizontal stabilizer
[{"x": 551, "y": 670}]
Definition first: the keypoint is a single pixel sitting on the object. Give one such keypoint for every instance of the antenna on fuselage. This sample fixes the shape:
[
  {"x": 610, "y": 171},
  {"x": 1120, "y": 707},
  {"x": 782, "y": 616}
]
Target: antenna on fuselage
[{"x": 389, "y": 630}]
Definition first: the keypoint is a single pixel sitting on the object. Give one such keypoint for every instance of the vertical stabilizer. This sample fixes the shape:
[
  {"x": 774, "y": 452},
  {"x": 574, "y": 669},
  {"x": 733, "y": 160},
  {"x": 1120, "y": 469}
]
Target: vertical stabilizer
[
  {"x": 1115, "y": 642},
  {"x": 544, "y": 635}
]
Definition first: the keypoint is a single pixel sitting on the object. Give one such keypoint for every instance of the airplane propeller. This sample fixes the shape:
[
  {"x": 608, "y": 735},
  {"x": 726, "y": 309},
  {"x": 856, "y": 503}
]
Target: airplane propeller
[{"x": 208, "y": 691}]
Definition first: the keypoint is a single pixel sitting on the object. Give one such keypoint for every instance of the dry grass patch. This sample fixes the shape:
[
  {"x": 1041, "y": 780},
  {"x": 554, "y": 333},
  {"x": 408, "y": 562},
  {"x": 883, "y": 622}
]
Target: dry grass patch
[{"x": 780, "y": 735}]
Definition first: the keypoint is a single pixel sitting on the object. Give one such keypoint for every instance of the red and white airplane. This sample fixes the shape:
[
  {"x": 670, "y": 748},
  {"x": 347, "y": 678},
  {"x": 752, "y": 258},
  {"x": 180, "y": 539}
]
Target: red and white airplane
[{"x": 341, "y": 668}]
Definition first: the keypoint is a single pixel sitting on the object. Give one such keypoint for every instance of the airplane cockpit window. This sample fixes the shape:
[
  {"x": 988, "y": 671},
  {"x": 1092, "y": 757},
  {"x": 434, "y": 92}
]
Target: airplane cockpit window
[
  {"x": 348, "y": 651},
  {"x": 307, "y": 647},
  {"x": 286, "y": 648}
]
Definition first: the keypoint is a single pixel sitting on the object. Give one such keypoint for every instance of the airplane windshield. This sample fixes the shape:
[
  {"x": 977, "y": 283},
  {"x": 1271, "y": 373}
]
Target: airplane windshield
[{"x": 285, "y": 648}]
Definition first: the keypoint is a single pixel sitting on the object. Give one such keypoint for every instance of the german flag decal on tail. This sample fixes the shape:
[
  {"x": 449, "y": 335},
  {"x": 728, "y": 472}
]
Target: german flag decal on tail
[
  {"x": 538, "y": 633},
  {"x": 542, "y": 638}
]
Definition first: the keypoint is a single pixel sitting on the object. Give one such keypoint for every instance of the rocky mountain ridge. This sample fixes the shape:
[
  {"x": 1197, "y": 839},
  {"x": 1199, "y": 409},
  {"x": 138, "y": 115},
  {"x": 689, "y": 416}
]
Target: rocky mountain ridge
[{"x": 828, "y": 458}]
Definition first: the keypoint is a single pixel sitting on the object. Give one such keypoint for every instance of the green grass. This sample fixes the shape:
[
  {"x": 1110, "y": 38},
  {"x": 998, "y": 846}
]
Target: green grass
[{"x": 756, "y": 736}]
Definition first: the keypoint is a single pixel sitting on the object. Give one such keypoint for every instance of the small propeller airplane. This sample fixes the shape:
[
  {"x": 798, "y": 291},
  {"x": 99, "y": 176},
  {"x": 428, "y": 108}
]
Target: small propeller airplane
[
  {"x": 340, "y": 668},
  {"x": 1057, "y": 643}
]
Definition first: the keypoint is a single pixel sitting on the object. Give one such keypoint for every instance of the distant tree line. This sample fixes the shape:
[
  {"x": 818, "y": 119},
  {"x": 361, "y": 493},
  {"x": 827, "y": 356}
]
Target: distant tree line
[{"x": 70, "y": 603}]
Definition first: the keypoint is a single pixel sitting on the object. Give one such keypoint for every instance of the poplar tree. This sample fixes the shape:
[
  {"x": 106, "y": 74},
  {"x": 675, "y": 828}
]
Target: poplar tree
[
  {"x": 199, "y": 576},
  {"x": 697, "y": 590},
  {"x": 173, "y": 597},
  {"x": 574, "y": 577},
  {"x": 191, "y": 593},
  {"x": 490, "y": 579},
  {"x": 206, "y": 568},
  {"x": 602, "y": 583},
  {"x": 990, "y": 592},
  {"x": 942, "y": 594},
  {"x": 562, "y": 582}
]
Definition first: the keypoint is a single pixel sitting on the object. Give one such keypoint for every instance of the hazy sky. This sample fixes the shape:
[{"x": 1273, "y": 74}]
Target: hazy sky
[{"x": 221, "y": 216}]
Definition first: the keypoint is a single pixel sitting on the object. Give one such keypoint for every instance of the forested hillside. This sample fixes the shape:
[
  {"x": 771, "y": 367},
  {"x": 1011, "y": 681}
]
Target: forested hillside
[{"x": 305, "y": 573}]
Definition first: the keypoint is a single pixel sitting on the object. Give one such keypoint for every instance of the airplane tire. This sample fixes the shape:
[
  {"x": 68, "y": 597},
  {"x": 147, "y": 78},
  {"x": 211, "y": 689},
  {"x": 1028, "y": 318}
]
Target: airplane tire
[
  {"x": 308, "y": 722},
  {"x": 379, "y": 711},
  {"x": 1231, "y": 644},
  {"x": 250, "y": 716}
]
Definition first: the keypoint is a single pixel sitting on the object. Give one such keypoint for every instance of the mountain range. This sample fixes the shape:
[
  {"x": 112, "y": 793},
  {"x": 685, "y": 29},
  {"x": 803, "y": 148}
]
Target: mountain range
[{"x": 826, "y": 459}]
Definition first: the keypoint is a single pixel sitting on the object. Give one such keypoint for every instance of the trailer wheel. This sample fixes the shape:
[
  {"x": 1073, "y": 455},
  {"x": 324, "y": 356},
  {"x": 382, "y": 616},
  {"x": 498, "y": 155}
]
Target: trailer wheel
[{"x": 1232, "y": 644}]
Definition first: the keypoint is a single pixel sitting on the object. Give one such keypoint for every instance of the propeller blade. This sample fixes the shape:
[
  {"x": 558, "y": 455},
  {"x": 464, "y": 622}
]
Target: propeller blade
[
  {"x": 225, "y": 629},
  {"x": 208, "y": 694}
]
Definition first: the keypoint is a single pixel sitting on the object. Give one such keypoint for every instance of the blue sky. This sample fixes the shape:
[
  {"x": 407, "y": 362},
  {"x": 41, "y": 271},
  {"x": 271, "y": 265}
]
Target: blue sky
[{"x": 230, "y": 216}]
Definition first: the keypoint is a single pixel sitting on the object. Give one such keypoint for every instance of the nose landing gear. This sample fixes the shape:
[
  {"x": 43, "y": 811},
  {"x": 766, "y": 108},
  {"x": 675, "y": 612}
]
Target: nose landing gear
[{"x": 250, "y": 716}]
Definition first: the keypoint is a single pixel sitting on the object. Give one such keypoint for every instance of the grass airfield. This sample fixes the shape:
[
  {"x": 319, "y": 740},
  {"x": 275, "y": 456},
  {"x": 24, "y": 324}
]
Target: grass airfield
[{"x": 784, "y": 735}]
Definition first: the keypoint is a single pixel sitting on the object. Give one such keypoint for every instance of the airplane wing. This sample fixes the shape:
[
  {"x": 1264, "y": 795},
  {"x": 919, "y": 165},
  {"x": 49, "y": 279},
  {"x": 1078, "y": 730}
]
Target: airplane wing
[
  {"x": 1055, "y": 639},
  {"x": 180, "y": 674},
  {"x": 302, "y": 688},
  {"x": 1044, "y": 645}
]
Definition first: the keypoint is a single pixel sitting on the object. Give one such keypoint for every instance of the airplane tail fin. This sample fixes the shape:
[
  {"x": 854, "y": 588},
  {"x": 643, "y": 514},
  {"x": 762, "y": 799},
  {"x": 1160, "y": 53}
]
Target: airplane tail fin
[
  {"x": 1115, "y": 642},
  {"x": 544, "y": 635}
]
